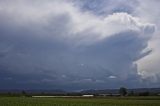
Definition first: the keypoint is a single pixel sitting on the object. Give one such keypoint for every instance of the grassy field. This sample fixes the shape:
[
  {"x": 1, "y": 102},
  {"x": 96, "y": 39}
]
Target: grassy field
[{"x": 109, "y": 101}]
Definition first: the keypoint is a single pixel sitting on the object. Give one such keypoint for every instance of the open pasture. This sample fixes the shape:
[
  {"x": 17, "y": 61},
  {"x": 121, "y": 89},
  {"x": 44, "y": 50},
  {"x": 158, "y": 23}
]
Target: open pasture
[{"x": 98, "y": 101}]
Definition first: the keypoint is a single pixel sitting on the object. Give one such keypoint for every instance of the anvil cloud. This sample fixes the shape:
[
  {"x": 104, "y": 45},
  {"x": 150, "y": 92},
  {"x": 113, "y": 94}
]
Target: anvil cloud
[{"x": 58, "y": 44}]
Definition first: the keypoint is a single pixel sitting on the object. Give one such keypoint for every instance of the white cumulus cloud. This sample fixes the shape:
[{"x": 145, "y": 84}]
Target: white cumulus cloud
[{"x": 51, "y": 39}]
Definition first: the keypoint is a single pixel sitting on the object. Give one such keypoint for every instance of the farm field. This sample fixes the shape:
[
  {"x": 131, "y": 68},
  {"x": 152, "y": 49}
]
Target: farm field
[{"x": 108, "y": 101}]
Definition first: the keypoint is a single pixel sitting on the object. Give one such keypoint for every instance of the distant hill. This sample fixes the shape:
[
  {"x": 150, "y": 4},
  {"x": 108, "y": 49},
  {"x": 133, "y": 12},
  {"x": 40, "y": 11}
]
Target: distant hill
[
  {"x": 35, "y": 91},
  {"x": 91, "y": 91},
  {"x": 114, "y": 91}
]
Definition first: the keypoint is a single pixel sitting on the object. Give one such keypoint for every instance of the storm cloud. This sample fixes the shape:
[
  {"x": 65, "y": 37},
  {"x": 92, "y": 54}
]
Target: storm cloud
[{"x": 56, "y": 44}]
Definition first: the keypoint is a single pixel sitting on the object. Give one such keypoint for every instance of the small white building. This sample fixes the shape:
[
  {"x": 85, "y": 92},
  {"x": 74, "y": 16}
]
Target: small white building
[
  {"x": 87, "y": 95},
  {"x": 104, "y": 95}
]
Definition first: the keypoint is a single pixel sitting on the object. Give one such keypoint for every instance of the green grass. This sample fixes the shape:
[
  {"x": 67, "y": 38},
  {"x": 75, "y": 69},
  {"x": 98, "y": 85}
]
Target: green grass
[{"x": 109, "y": 101}]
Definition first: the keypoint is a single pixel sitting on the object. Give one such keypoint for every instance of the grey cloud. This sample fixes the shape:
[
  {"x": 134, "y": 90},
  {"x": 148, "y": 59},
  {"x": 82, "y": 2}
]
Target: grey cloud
[{"x": 54, "y": 51}]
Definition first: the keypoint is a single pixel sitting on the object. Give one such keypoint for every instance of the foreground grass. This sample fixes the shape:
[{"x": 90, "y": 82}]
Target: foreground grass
[{"x": 109, "y": 101}]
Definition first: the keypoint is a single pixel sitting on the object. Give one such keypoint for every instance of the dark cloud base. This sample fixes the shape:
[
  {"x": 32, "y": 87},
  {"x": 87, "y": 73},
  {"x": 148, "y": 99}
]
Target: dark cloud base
[{"x": 46, "y": 53}]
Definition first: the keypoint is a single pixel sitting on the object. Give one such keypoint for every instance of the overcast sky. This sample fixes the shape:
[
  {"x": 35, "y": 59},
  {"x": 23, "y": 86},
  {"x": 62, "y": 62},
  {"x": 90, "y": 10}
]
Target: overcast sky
[{"x": 79, "y": 44}]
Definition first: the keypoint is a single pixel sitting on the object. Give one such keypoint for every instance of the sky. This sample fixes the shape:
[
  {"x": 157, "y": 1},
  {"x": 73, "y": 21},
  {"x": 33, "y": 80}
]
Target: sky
[{"x": 79, "y": 44}]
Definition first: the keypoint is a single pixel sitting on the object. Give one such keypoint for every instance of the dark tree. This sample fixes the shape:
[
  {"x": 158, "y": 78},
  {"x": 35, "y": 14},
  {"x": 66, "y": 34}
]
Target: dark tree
[
  {"x": 23, "y": 93},
  {"x": 131, "y": 93},
  {"x": 144, "y": 93},
  {"x": 123, "y": 91}
]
